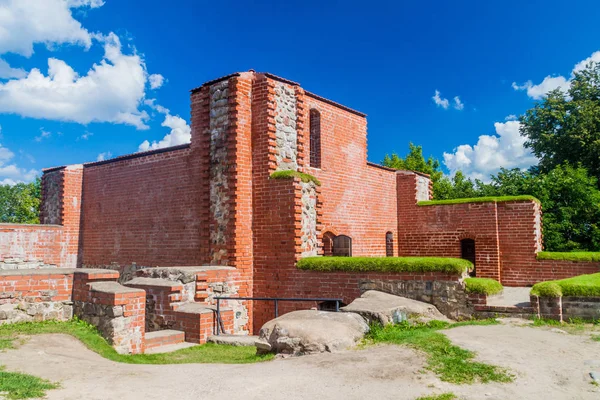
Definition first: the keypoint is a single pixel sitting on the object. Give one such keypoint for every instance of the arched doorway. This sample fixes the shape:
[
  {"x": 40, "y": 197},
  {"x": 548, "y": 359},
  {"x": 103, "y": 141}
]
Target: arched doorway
[{"x": 467, "y": 251}]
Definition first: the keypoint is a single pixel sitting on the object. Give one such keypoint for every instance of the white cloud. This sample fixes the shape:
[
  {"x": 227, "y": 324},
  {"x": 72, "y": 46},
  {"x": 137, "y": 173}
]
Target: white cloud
[
  {"x": 43, "y": 135},
  {"x": 104, "y": 156},
  {"x": 439, "y": 101},
  {"x": 511, "y": 117},
  {"x": 492, "y": 152},
  {"x": 111, "y": 91},
  {"x": 550, "y": 83},
  {"x": 10, "y": 174},
  {"x": 458, "y": 105},
  {"x": 180, "y": 134},
  {"x": 156, "y": 81},
  {"x": 24, "y": 23},
  {"x": 7, "y": 72},
  {"x": 86, "y": 135}
]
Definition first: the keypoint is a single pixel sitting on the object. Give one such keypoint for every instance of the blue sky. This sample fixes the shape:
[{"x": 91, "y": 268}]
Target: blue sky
[{"x": 82, "y": 80}]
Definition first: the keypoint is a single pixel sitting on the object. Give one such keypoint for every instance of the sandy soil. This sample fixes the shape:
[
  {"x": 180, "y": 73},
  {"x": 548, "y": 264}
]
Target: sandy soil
[{"x": 548, "y": 365}]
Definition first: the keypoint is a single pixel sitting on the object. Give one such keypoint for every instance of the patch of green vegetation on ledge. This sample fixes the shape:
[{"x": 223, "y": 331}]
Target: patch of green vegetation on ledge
[
  {"x": 483, "y": 286},
  {"x": 385, "y": 264},
  {"x": 579, "y": 286},
  {"x": 497, "y": 199},
  {"x": 290, "y": 174},
  {"x": 583, "y": 256}
]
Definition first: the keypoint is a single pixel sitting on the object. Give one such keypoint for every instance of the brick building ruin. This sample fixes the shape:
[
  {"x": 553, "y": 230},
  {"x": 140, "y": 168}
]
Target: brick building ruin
[{"x": 213, "y": 203}]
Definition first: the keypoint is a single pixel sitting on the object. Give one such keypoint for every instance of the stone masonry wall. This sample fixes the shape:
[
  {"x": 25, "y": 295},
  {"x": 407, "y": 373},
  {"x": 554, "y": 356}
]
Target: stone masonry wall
[
  {"x": 21, "y": 263},
  {"x": 51, "y": 207},
  {"x": 310, "y": 244},
  {"x": 285, "y": 125},
  {"x": 219, "y": 184},
  {"x": 567, "y": 307}
]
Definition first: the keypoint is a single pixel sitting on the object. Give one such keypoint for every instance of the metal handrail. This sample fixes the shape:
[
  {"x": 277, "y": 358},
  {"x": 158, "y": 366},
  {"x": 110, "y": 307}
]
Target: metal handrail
[{"x": 276, "y": 300}]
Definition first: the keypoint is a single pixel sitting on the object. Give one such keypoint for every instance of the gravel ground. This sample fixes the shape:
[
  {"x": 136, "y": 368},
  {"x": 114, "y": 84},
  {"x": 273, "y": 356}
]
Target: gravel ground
[{"x": 548, "y": 365}]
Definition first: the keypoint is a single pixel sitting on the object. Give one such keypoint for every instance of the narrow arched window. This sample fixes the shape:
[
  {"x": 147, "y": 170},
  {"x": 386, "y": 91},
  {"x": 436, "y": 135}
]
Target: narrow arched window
[
  {"x": 342, "y": 246},
  {"x": 328, "y": 243},
  {"x": 315, "y": 138},
  {"x": 389, "y": 244}
]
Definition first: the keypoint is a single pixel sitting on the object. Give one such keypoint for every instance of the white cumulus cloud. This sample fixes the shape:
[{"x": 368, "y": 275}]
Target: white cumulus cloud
[
  {"x": 111, "y": 91},
  {"x": 458, "y": 104},
  {"x": 10, "y": 174},
  {"x": 440, "y": 101},
  {"x": 549, "y": 83},
  {"x": 505, "y": 149},
  {"x": 104, "y": 156},
  {"x": 7, "y": 72},
  {"x": 180, "y": 134},
  {"x": 156, "y": 81}
]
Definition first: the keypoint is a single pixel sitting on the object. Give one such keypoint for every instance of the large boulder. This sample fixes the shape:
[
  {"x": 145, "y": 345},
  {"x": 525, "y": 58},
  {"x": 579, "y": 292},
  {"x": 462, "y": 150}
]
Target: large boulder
[
  {"x": 312, "y": 331},
  {"x": 384, "y": 308}
]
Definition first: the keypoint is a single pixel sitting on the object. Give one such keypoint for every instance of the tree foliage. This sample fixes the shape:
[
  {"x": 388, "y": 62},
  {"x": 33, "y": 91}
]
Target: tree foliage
[
  {"x": 20, "y": 203},
  {"x": 565, "y": 127}
]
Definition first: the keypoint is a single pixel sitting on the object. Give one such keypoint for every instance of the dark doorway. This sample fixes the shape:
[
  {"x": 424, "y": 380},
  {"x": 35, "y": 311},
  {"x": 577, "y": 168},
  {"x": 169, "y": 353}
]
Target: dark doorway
[{"x": 467, "y": 251}]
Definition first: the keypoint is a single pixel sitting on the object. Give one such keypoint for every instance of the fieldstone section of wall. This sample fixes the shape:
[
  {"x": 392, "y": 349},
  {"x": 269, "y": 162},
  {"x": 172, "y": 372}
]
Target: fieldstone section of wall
[
  {"x": 50, "y": 208},
  {"x": 310, "y": 243},
  {"x": 219, "y": 185},
  {"x": 25, "y": 311},
  {"x": 285, "y": 128},
  {"x": 21, "y": 263},
  {"x": 448, "y": 296},
  {"x": 423, "y": 188}
]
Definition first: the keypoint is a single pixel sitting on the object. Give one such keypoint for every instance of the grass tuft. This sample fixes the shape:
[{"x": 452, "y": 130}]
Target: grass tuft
[
  {"x": 496, "y": 199},
  {"x": 14, "y": 385},
  {"x": 483, "y": 286},
  {"x": 290, "y": 174},
  {"x": 580, "y": 256},
  {"x": 579, "y": 286},
  {"x": 443, "y": 396},
  {"x": 88, "y": 334},
  {"x": 451, "y": 363},
  {"x": 386, "y": 264}
]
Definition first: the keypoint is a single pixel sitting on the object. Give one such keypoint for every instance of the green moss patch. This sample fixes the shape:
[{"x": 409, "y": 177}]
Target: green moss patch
[
  {"x": 497, "y": 199},
  {"x": 443, "y": 396},
  {"x": 290, "y": 174},
  {"x": 386, "y": 264},
  {"x": 582, "y": 256},
  {"x": 14, "y": 385},
  {"x": 483, "y": 286},
  {"x": 579, "y": 286}
]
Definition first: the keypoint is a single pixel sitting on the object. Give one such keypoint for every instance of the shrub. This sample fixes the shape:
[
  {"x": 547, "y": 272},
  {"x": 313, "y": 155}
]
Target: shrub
[
  {"x": 582, "y": 256},
  {"x": 581, "y": 286},
  {"x": 497, "y": 199},
  {"x": 483, "y": 286},
  {"x": 386, "y": 264},
  {"x": 290, "y": 174}
]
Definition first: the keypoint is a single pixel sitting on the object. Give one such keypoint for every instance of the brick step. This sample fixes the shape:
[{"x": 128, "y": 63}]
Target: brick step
[
  {"x": 199, "y": 321},
  {"x": 163, "y": 338}
]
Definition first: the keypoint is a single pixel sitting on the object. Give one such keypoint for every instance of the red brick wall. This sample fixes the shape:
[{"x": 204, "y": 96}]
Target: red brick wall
[
  {"x": 31, "y": 242},
  {"x": 35, "y": 287},
  {"x": 143, "y": 210}
]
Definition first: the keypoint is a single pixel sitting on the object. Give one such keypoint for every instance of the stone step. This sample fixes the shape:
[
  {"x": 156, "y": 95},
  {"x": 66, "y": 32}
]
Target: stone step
[
  {"x": 158, "y": 282},
  {"x": 164, "y": 337},
  {"x": 169, "y": 348},
  {"x": 234, "y": 340}
]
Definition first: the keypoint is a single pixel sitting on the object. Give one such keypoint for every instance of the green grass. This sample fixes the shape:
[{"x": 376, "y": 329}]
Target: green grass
[
  {"x": 581, "y": 256},
  {"x": 89, "y": 336},
  {"x": 290, "y": 174},
  {"x": 483, "y": 286},
  {"x": 497, "y": 199},
  {"x": 14, "y": 385},
  {"x": 580, "y": 286},
  {"x": 385, "y": 264},
  {"x": 443, "y": 396},
  {"x": 451, "y": 363}
]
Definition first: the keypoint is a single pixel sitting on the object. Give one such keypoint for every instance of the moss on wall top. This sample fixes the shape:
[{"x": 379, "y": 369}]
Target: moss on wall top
[
  {"x": 582, "y": 256},
  {"x": 580, "y": 286},
  {"x": 385, "y": 264},
  {"x": 497, "y": 199},
  {"x": 483, "y": 286},
  {"x": 291, "y": 174}
]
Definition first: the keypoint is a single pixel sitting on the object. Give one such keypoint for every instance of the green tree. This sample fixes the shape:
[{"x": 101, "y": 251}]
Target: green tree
[
  {"x": 20, "y": 203},
  {"x": 570, "y": 202},
  {"x": 565, "y": 127}
]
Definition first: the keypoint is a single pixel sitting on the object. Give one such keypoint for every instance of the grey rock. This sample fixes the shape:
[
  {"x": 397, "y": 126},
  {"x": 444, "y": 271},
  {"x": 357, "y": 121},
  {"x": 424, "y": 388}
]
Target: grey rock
[
  {"x": 311, "y": 331},
  {"x": 384, "y": 308},
  {"x": 556, "y": 330},
  {"x": 595, "y": 376}
]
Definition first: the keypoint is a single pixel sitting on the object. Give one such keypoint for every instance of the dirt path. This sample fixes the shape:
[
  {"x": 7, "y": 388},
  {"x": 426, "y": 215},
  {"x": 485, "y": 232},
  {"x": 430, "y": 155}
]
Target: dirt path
[{"x": 548, "y": 365}]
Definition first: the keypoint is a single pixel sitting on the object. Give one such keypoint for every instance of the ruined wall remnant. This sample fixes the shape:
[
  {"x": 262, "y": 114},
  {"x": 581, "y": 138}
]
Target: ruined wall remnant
[
  {"x": 285, "y": 125},
  {"x": 50, "y": 208},
  {"x": 309, "y": 219},
  {"x": 219, "y": 185}
]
